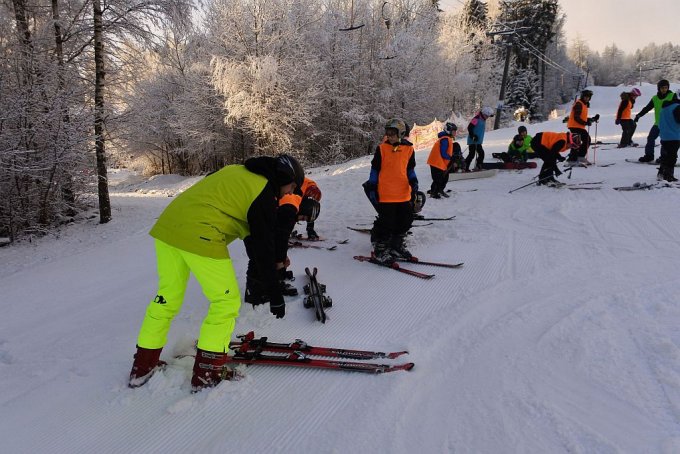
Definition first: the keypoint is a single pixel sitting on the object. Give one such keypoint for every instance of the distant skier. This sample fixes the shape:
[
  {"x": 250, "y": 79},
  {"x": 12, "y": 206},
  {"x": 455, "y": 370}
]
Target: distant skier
[
  {"x": 577, "y": 123},
  {"x": 669, "y": 131},
  {"x": 623, "y": 117},
  {"x": 548, "y": 146},
  {"x": 392, "y": 188},
  {"x": 476, "y": 129},
  {"x": 445, "y": 154},
  {"x": 663, "y": 94}
]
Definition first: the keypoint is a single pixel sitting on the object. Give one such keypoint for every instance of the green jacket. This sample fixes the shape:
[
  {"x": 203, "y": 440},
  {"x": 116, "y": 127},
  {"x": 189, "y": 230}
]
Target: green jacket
[{"x": 212, "y": 213}]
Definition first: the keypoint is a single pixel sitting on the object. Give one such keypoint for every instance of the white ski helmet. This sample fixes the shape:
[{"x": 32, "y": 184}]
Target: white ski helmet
[{"x": 487, "y": 111}]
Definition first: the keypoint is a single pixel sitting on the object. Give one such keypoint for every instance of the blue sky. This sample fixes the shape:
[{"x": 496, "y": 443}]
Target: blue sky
[{"x": 630, "y": 24}]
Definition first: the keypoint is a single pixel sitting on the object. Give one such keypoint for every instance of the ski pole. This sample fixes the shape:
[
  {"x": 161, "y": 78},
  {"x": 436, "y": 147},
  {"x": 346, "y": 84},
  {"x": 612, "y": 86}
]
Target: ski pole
[
  {"x": 529, "y": 184},
  {"x": 595, "y": 145}
]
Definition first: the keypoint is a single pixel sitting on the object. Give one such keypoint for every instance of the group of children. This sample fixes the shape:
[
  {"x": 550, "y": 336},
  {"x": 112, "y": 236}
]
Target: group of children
[{"x": 261, "y": 201}]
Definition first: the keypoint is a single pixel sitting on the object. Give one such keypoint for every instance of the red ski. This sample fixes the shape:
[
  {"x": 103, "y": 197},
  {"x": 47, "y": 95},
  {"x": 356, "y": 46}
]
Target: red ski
[
  {"x": 249, "y": 343},
  {"x": 395, "y": 266},
  {"x": 298, "y": 359}
]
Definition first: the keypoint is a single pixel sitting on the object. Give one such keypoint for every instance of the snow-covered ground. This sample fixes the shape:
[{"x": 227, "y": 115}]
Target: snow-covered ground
[{"x": 560, "y": 333}]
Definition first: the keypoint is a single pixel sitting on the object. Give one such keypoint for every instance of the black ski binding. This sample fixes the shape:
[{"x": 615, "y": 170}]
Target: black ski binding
[{"x": 316, "y": 296}]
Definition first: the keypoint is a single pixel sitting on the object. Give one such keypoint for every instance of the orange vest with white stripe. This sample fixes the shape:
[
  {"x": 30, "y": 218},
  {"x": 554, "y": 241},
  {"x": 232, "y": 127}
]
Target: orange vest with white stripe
[{"x": 393, "y": 185}]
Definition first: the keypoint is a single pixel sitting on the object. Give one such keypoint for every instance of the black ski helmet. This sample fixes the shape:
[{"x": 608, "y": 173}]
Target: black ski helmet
[
  {"x": 310, "y": 208},
  {"x": 522, "y": 129},
  {"x": 587, "y": 93},
  {"x": 663, "y": 83},
  {"x": 289, "y": 170}
]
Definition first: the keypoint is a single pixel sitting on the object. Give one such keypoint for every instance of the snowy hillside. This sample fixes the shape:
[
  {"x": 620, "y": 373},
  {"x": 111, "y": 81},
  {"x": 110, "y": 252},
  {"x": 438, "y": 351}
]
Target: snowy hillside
[{"x": 559, "y": 334}]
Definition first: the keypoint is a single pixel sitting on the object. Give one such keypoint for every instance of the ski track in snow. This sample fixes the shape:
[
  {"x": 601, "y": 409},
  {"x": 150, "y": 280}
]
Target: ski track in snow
[{"x": 559, "y": 334}]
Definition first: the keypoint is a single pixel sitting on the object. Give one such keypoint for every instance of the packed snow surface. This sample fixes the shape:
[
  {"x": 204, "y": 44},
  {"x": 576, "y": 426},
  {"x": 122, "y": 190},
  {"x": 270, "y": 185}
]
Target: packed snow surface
[{"x": 559, "y": 334}]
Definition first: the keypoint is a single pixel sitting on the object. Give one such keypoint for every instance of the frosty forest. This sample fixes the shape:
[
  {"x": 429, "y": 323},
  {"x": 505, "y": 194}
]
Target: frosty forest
[{"x": 170, "y": 86}]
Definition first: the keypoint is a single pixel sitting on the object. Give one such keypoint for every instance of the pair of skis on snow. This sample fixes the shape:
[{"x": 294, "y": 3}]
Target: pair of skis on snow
[{"x": 250, "y": 350}]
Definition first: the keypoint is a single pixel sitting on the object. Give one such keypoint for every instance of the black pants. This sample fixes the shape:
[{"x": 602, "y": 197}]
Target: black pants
[
  {"x": 393, "y": 219},
  {"x": 628, "y": 127},
  {"x": 582, "y": 151},
  {"x": 439, "y": 180},
  {"x": 474, "y": 149},
  {"x": 549, "y": 159},
  {"x": 669, "y": 157}
]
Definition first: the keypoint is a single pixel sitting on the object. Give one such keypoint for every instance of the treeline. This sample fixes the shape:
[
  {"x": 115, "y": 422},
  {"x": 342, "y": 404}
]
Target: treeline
[
  {"x": 168, "y": 88},
  {"x": 614, "y": 66}
]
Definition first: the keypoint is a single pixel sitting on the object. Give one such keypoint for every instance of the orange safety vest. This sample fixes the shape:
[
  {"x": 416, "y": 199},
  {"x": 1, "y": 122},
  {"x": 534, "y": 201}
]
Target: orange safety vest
[
  {"x": 435, "y": 159},
  {"x": 295, "y": 199},
  {"x": 625, "y": 115},
  {"x": 291, "y": 199},
  {"x": 393, "y": 185},
  {"x": 549, "y": 139},
  {"x": 584, "y": 116},
  {"x": 308, "y": 184}
]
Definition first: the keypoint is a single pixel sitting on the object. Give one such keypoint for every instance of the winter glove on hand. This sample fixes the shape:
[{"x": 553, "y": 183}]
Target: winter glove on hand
[
  {"x": 475, "y": 138},
  {"x": 414, "y": 189},
  {"x": 589, "y": 122},
  {"x": 561, "y": 158},
  {"x": 617, "y": 122},
  {"x": 277, "y": 305},
  {"x": 596, "y": 118},
  {"x": 637, "y": 117}
]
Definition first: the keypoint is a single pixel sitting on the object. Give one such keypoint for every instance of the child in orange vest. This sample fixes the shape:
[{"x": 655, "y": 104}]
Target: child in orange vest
[
  {"x": 623, "y": 117},
  {"x": 442, "y": 157},
  {"x": 391, "y": 188}
]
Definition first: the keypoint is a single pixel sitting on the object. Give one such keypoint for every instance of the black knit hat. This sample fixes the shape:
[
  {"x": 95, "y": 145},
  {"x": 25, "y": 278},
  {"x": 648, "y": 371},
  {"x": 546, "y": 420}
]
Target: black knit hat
[{"x": 663, "y": 83}]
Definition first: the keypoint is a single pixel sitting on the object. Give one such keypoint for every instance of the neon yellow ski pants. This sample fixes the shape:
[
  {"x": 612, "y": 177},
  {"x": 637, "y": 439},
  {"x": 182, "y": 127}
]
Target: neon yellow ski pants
[{"x": 219, "y": 284}]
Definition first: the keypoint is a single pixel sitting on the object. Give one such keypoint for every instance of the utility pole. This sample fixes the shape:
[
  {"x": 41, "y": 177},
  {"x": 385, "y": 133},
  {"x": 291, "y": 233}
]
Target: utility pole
[
  {"x": 501, "y": 97},
  {"x": 508, "y": 51}
]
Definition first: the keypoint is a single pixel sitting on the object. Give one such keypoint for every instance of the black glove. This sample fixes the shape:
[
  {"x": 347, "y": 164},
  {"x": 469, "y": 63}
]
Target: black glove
[
  {"x": 414, "y": 189},
  {"x": 475, "y": 138},
  {"x": 589, "y": 122},
  {"x": 617, "y": 122},
  {"x": 277, "y": 305},
  {"x": 637, "y": 117},
  {"x": 596, "y": 118},
  {"x": 560, "y": 158}
]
